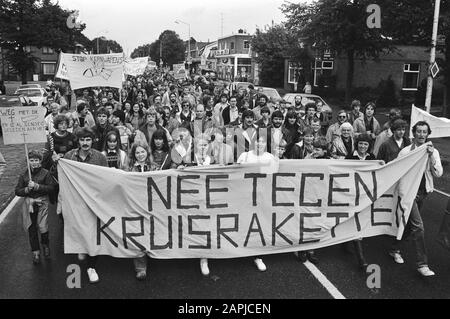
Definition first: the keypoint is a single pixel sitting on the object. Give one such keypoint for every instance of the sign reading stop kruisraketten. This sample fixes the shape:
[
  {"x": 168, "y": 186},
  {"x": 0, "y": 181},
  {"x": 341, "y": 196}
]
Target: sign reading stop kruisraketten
[{"x": 23, "y": 125}]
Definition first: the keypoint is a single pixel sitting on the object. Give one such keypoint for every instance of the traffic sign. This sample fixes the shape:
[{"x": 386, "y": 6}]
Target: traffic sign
[{"x": 434, "y": 70}]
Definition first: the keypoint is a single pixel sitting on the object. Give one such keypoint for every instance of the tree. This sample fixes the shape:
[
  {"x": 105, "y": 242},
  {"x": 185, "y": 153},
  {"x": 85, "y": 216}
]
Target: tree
[
  {"x": 105, "y": 46},
  {"x": 32, "y": 23},
  {"x": 337, "y": 25},
  {"x": 172, "y": 49},
  {"x": 273, "y": 46}
]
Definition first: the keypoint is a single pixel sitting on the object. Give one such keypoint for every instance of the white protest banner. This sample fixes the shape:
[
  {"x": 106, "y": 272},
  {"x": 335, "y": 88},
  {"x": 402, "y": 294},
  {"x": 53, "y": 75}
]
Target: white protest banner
[
  {"x": 238, "y": 210},
  {"x": 22, "y": 125},
  {"x": 179, "y": 71},
  {"x": 95, "y": 70},
  {"x": 62, "y": 72},
  {"x": 135, "y": 67},
  {"x": 440, "y": 126}
]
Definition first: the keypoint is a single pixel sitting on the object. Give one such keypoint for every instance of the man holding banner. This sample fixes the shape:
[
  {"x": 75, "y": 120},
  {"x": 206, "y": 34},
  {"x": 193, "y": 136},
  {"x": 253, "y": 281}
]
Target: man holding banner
[
  {"x": 414, "y": 227},
  {"x": 86, "y": 154}
]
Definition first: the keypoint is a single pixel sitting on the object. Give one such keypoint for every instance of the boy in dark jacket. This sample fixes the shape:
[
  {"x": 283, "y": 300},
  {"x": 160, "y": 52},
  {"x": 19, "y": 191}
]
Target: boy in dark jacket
[{"x": 35, "y": 209}]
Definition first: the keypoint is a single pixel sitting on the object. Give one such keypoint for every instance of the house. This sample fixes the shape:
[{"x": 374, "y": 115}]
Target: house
[
  {"x": 45, "y": 66},
  {"x": 234, "y": 57},
  {"x": 407, "y": 66}
]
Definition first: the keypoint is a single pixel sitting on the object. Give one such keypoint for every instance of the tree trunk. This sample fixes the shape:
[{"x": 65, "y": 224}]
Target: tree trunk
[
  {"x": 23, "y": 76},
  {"x": 350, "y": 71}
]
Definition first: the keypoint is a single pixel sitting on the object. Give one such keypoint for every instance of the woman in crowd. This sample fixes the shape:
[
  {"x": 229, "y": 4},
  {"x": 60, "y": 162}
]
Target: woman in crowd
[
  {"x": 361, "y": 152},
  {"x": 160, "y": 151},
  {"x": 291, "y": 130},
  {"x": 135, "y": 118},
  {"x": 115, "y": 156},
  {"x": 140, "y": 160},
  {"x": 269, "y": 164},
  {"x": 343, "y": 144}
]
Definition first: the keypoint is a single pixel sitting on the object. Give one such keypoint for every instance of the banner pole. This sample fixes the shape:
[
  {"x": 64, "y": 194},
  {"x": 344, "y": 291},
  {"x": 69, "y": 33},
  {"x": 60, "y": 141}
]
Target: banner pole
[{"x": 28, "y": 160}]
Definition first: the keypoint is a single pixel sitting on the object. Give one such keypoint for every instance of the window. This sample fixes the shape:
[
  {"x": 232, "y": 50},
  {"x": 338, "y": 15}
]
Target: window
[
  {"x": 232, "y": 45},
  {"x": 322, "y": 72},
  {"x": 49, "y": 68},
  {"x": 246, "y": 44},
  {"x": 293, "y": 70},
  {"x": 47, "y": 50},
  {"x": 411, "y": 73}
]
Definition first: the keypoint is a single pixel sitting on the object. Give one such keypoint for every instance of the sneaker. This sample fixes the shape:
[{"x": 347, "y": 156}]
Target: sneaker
[
  {"x": 260, "y": 264},
  {"x": 397, "y": 257},
  {"x": 204, "y": 266},
  {"x": 81, "y": 257},
  {"x": 36, "y": 257},
  {"x": 46, "y": 250},
  {"x": 312, "y": 258},
  {"x": 301, "y": 256},
  {"x": 141, "y": 275},
  {"x": 425, "y": 271},
  {"x": 92, "y": 274}
]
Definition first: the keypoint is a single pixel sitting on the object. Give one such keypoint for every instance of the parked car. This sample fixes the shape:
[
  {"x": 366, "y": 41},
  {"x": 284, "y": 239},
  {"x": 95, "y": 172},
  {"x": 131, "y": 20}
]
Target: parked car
[
  {"x": 306, "y": 98},
  {"x": 38, "y": 95},
  {"x": 271, "y": 93},
  {"x": 233, "y": 87},
  {"x": 29, "y": 86}
]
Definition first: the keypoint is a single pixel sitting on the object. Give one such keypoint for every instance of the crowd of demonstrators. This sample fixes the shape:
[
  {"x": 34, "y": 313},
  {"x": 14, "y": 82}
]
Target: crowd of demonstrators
[{"x": 157, "y": 122}]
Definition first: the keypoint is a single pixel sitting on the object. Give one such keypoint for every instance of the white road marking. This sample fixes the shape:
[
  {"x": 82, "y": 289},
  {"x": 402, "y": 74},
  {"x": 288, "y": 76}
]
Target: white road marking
[
  {"x": 9, "y": 208},
  {"x": 334, "y": 292}
]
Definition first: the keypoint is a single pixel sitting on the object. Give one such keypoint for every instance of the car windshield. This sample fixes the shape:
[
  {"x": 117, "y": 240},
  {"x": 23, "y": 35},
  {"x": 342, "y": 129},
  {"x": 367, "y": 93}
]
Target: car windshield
[
  {"x": 271, "y": 93},
  {"x": 30, "y": 92}
]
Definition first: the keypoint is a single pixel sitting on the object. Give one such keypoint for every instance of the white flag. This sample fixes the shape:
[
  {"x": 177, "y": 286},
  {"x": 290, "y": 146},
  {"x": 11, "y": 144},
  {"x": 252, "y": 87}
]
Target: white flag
[{"x": 440, "y": 126}]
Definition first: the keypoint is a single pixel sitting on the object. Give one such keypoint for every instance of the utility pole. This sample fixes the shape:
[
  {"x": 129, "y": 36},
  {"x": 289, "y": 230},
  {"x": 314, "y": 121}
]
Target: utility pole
[{"x": 432, "y": 55}]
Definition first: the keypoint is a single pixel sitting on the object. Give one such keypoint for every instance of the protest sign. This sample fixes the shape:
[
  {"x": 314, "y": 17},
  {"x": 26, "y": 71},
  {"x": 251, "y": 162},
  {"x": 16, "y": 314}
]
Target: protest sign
[
  {"x": 440, "y": 126},
  {"x": 23, "y": 124},
  {"x": 135, "y": 67},
  {"x": 179, "y": 71},
  {"x": 62, "y": 72},
  {"x": 234, "y": 211},
  {"x": 95, "y": 70}
]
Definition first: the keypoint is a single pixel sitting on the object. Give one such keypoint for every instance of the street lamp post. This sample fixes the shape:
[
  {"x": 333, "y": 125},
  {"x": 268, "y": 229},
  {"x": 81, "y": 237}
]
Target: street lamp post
[
  {"x": 189, "y": 39},
  {"x": 432, "y": 55}
]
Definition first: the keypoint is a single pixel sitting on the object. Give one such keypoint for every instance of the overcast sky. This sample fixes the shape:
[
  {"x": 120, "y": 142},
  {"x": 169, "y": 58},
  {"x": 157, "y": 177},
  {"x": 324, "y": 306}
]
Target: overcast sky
[{"x": 135, "y": 22}]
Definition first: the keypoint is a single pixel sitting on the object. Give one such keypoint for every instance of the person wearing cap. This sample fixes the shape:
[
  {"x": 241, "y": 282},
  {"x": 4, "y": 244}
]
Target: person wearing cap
[
  {"x": 355, "y": 112},
  {"x": 343, "y": 144},
  {"x": 392, "y": 146},
  {"x": 334, "y": 129},
  {"x": 35, "y": 208},
  {"x": 85, "y": 153},
  {"x": 264, "y": 121}
]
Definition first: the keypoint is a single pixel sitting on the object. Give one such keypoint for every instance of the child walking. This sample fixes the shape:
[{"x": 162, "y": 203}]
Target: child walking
[{"x": 35, "y": 209}]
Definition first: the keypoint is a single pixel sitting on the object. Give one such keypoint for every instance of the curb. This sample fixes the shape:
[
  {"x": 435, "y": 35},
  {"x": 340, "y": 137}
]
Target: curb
[{"x": 9, "y": 208}]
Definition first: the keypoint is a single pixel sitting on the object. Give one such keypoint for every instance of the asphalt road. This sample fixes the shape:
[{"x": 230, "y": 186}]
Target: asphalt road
[{"x": 231, "y": 279}]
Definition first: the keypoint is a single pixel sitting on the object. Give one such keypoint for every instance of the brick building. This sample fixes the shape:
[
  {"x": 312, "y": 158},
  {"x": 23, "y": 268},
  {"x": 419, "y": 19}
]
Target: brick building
[{"x": 407, "y": 66}]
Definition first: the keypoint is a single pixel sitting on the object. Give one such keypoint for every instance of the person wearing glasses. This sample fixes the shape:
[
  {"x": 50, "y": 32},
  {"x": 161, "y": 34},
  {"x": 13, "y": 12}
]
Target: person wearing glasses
[{"x": 334, "y": 129}]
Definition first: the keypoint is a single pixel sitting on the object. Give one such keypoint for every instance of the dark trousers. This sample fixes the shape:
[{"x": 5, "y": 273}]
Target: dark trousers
[
  {"x": 33, "y": 233},
  {"x": 91, "y": 261}
]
